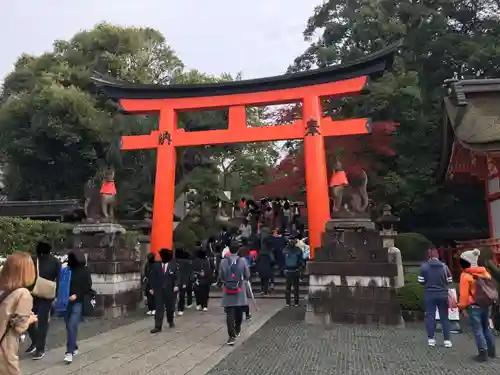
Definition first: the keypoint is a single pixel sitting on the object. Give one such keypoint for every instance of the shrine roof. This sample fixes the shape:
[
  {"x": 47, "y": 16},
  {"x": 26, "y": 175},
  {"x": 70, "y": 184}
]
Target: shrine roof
[
  {"x": 39, "y": 209},
  {"x": 372, "y": 64},
  {"x": 471, "y": 127}
]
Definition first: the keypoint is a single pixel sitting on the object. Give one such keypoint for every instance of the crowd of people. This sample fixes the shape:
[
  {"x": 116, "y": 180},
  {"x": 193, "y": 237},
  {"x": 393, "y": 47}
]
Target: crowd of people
[
  {"x": 227, "y": 262},
  {"x": 31, "y": 287}
]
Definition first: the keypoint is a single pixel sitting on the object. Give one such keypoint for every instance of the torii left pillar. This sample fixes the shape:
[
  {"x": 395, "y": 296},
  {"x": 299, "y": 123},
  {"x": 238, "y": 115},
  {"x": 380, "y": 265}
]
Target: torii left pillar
[{"x": 164, "y": 192}]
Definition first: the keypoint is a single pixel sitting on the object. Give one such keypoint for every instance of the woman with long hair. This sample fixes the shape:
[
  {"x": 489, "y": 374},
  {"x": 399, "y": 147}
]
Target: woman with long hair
[{"x": 16, "y": 304}]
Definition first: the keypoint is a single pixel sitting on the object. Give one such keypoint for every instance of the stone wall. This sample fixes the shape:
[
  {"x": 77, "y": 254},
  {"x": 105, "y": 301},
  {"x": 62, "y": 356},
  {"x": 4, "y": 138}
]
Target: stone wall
[
  {"x": 115, "y": 265},
  {"x": 351, "y": 279}
]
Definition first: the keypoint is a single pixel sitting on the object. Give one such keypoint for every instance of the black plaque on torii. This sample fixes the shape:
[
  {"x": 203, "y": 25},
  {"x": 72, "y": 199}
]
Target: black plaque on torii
[{"x": 312, "y": 128}]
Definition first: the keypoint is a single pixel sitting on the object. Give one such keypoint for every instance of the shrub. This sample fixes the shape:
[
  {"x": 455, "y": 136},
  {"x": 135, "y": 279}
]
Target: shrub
[
  {"x": 23, "y": 234},
  {"x": 411, "y": 295},
  {"x": 199, "y": 231},
  {"x": 413, "y": 246},
  {"x": 184, "y": 237}
]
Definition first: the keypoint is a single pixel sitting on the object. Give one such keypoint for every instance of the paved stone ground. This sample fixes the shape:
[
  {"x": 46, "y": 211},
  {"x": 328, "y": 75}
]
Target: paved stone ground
[
  {"x": 286, "y": 346},
  {"x": 88, "y": 328},
  {"x": 193, "y": 347}
]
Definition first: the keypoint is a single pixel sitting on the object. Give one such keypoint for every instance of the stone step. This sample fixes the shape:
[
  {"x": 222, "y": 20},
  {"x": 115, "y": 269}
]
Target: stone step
[
  {"x": 279, "y": 291},
  {"x": 273, "y": 295},
  {"x": 279, "y": 281}
]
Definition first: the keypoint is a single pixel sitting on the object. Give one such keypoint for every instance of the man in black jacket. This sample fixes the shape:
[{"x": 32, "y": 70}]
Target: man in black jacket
[
  {"x": 48, "y": 267},
  {"x": 185, "y": 269},
  {"x": 165, "y": 281},
  {"x": 202, "y": 278}
]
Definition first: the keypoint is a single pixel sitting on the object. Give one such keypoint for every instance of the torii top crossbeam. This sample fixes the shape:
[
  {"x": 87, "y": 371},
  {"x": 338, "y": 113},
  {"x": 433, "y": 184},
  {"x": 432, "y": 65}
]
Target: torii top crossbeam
[{"x": 305, "y": 87}]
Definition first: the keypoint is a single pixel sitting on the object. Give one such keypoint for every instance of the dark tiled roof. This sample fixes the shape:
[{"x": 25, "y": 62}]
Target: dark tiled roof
[
  {"x": 33, "y": 209},
  {"x": 373, "y": 64}
]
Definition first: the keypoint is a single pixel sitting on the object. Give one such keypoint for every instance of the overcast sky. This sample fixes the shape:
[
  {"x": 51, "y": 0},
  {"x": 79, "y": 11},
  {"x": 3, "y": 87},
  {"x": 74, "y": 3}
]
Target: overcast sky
[{"x": 258, "y": 37}]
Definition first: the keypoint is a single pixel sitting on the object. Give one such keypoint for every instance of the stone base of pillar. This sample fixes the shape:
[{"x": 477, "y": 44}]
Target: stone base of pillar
[
  {"x": 115, "y": 266},
  {"x": 351, "y": 279}
]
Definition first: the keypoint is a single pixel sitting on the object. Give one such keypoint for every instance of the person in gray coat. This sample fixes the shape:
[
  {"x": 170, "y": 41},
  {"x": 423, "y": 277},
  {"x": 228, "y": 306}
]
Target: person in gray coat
[{"x": 233, "y": 273}]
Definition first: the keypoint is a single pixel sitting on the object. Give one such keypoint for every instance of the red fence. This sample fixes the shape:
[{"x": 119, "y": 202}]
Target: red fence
[{"x": 451, "y": 255}]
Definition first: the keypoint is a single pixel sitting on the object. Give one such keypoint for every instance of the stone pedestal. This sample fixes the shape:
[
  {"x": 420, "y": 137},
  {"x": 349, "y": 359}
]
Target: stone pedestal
[
  {"x": 114, "y": 265},
  {"x": 351, "y": 278}
]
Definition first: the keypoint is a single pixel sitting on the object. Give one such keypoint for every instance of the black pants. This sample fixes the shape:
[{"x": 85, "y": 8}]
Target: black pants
[
  {"x": 38, "y": 331},
  {"x": 202, "y": 293},
  {"x": 495, "y": 316},
  {"x": 150, "y": 300},
  {"x": 292, "y": 280},
  {"x": 165, "y": 302},
  {"x": 234, "y": 317},
  {"x": 264, "y": 284},
  {"x": 246, "y": 311},
  {"x": 185, "y": 294}
]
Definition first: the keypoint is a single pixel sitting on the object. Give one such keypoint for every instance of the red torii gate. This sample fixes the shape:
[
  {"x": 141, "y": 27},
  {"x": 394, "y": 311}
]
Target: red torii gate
[{"x": 306, "y": 87}]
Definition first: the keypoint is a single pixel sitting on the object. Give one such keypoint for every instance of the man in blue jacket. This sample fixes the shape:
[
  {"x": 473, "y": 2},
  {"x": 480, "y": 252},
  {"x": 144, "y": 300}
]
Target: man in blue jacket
[{"x": 435, "y": 276}]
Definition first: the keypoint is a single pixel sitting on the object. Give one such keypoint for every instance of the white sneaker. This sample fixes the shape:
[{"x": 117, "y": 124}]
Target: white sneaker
[
  {"x": 68, "y": 358},
  {"x": 75, "y": 352},
  {"x": 189, "y": 306},
  {"x": 447, "y": 344},
  {"x": 149, "y": 313},
  {"x": 153, "y": 312},
  {"x": 198, "y": 307},
  {"x": 205, "y": 309},
  {"x": 431, "y": 342},
  {"x": 180, "y": 313}
]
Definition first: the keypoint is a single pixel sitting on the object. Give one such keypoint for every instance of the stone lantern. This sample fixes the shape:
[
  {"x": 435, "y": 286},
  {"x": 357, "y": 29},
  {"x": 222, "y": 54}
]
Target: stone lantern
[
  {"x": 386, "y": 223},
  {"x": 388, "y": 233}
]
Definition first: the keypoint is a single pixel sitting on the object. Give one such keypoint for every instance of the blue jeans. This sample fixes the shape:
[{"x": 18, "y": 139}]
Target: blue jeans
[
  {"x": 479, "y": 318},
  {"x": 72, "y": 318},
  {"x": 441, "y": 303}
]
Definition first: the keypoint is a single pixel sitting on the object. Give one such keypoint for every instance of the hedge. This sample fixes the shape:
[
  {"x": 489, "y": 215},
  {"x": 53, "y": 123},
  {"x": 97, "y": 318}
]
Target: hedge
[
  {"x": 411, "y": 295},
  {"x": 413, "y": 246},
  {"x": 23, "y": 234}
]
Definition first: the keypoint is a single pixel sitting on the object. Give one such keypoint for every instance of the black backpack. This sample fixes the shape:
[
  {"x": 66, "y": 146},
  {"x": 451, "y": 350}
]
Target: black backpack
[{"x": 234, "y": 278}]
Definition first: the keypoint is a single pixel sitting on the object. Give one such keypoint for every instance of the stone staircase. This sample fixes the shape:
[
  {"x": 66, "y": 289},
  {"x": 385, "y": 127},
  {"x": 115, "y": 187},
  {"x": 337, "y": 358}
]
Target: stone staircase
[{"x": 278, "y": 292}]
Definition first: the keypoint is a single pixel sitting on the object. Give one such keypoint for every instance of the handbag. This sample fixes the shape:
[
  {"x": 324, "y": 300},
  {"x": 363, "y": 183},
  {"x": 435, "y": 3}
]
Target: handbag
[
  {"x": 43, "y": 288},
  {"x": 452, "y": 299}
]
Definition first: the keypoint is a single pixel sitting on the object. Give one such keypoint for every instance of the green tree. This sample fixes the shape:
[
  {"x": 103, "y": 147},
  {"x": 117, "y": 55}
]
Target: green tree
[
  {"x": 57, "y": 129},
  {"x": 441, "y": 38},
  {"x": 54, "y": 120}
]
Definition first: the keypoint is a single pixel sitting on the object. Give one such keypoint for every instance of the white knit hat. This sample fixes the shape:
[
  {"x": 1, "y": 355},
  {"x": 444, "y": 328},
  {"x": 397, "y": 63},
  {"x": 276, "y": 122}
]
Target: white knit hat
[{"x": 471, "y": 256}]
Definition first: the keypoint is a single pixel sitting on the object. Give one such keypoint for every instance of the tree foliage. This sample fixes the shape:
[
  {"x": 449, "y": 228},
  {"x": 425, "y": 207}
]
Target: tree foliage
[
  {"x": 57, "y": 129},
  {"x": 441, "y": 38}
]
